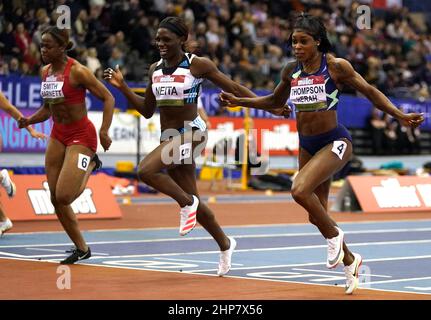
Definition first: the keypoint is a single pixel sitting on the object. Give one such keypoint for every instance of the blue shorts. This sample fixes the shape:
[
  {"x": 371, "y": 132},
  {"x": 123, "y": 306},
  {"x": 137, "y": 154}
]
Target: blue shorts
[{"x": 312, "y": 144}]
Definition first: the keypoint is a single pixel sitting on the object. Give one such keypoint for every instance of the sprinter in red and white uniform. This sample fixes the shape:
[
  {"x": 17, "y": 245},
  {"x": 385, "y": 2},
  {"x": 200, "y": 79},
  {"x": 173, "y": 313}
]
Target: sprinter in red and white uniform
[{"x": 71, "y": 152}]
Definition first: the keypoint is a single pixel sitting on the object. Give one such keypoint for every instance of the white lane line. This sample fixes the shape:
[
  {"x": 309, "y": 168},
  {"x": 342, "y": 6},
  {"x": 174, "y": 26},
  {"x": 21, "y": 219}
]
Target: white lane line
[
  {"x": 271, "y": 235},
  {"x": 319, "y": 263},
  {"x": 367, "y": 244},
  {"x": 8, "y": 254},
  {"x": 395, "y": 280},
  {"x": 339, "y": 272},
  {"x": 245, "y": 226},
  {"x": 54, "y": 250},
  {"x": 271, "y": 249},
  {"x": 202, "y": 261},
  {"x": 419, "y": 288}
]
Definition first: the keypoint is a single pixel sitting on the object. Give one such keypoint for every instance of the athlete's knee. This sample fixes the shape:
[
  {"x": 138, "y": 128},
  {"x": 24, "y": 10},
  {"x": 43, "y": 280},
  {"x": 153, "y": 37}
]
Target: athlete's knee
[
  {"x": 145, "y": 173},
  {"x": 300, "y": 192},
  {"x": 64, "y": 199}
]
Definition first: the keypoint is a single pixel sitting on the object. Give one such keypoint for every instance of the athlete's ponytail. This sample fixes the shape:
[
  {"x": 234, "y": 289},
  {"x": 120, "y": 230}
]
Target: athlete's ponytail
[{"x": 315, "y": 28}]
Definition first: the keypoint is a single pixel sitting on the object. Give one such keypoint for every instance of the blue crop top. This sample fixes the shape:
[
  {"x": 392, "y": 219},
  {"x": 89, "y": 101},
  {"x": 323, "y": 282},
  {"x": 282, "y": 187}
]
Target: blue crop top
[{"x": 313, "y": 92}]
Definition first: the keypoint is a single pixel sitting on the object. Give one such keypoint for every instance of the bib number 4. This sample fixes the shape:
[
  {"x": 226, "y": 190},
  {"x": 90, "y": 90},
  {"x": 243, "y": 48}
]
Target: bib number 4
[{"x": 339, "y": 148}]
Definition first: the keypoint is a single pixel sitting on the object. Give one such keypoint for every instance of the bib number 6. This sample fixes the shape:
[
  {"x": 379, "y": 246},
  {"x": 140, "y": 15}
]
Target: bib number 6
[{"x": 83, "y": 161}]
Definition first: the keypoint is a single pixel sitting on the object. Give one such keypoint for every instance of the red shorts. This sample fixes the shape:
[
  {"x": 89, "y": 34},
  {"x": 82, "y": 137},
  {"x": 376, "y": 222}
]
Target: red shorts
[{"x": 81, "y": 132}]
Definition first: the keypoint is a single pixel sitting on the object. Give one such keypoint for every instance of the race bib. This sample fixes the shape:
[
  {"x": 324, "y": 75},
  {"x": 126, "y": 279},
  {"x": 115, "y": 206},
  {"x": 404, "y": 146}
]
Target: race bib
[
  {"x": 185, "y": 151},
  {"x": 308, "y": 94},
  {"x": 83, "y": 161},
  {"x": 169, "y": 89},
  {"x": 52, "y": 89},
  {"x": 339, "y": 147}
]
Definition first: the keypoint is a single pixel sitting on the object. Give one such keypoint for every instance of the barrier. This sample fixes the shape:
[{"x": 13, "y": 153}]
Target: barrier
[
  {"x": 384, "y": 194},
  {"x": 32, "y": 200}
]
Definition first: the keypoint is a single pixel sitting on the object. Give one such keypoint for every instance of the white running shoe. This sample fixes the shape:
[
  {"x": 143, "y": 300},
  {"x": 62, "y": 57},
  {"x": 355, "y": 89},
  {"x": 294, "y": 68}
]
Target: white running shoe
[
  {"x": 226, "y": 258},
  {"x": 335, "y": 250},
  {"x": 5, "y": 226},
  {"x": 352, "y": 274},
  {"x": 188, "y": 217},
  {"x": 8, "y": 184}
]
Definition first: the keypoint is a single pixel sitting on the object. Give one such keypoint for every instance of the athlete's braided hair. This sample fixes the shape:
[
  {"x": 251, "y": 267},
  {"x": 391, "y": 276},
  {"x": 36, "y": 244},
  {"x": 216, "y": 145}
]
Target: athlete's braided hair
[{"x": 315, "y": 28}]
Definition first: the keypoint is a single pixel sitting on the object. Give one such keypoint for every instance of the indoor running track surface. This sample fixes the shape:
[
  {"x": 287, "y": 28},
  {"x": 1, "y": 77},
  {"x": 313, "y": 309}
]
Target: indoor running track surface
[{"x": 397, "y": 254}]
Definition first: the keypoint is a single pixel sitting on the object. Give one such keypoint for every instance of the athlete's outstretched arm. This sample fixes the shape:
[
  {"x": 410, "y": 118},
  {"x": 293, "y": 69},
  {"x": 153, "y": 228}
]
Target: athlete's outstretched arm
[
  {"x": 276, "y": 100},
  {"x": 205, "y": 68},
  {"x": 86, "y": 78},
  {"x": 10, "y": 109},
  {"x": 41, "y": 115},
  {"x": 347, "y": 75},
  {"x": 145, "y": 106}
]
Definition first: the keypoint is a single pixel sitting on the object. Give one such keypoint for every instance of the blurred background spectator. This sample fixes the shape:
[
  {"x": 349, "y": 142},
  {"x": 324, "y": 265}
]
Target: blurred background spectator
[{"x": 247, "y": 39}]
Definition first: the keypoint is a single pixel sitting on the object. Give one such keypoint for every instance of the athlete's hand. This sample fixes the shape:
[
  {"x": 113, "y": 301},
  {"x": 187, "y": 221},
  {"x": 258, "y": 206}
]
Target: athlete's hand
[
  {"x": 114, "y": 77},
  {"x": 23, "y": 122},
  {"x": 37, "y": 134},
  {"x": 229, "y": 100},
  {"x": 105, "y": 140},
  {"x": 412, "y": 119},
  {"x": 281, "y": 112}
]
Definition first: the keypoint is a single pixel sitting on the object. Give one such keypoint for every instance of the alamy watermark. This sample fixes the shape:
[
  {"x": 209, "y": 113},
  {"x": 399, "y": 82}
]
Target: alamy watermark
[
  {"x": 64, "y": 18},
  {"x": 364, "y": 276},
  {"x": 64, "y": 281},
  {"x": 364, "y": 19},
  {"x": 185, "y": 147}
]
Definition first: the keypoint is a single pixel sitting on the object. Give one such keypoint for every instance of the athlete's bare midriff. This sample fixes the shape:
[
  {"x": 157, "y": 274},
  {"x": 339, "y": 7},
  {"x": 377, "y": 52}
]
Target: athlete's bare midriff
[
  {"x": 65, "y": 114},
  {"x": 313, "y": 123},
  {"x": 174, "y": 117}
]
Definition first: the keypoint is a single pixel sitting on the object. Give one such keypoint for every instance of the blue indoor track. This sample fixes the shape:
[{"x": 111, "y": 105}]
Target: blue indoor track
[{"x": 397, "y": 254}]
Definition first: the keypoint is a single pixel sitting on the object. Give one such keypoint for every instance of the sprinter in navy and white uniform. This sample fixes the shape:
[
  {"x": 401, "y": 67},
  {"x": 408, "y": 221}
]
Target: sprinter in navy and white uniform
[
  {"x": 312, "y": 83},
  {"x": 174, "y": 88}
]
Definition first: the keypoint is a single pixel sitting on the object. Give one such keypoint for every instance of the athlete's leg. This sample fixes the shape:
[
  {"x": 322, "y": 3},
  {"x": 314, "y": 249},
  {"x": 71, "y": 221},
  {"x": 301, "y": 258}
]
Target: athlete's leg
[
  {"x": 185, "y": 177},
  {"x": 86, "y": 177},
  {"x": 3, "y": 216},
  {"x": 168, "y": 156},
  {"x": 322, "y": 193},
  {"x": 65, "y": 179},
  {"x": 314, "y": 172}
]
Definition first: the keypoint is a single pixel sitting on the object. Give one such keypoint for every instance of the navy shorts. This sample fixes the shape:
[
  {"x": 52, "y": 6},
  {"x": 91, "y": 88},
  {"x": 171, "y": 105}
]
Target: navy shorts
[{"x": 312, "y": 144}]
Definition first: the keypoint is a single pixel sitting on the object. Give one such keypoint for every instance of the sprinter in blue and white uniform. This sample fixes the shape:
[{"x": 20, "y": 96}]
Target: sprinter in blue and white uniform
[
  {"x": 312, "y": 83},
  {"x": 174, "y": 87}
]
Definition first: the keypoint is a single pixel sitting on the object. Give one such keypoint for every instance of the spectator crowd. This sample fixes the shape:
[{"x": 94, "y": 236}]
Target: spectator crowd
[
  {"x": 390, "y": 137},
  {"x": 246, "y": 39}
]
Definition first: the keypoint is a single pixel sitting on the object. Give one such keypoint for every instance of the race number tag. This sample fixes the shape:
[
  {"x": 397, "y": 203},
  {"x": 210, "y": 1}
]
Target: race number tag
[
  {"x": 339, "y": 147},
  {"x": 83, "y": 161},
  {"x": 185, "y": 151}
]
